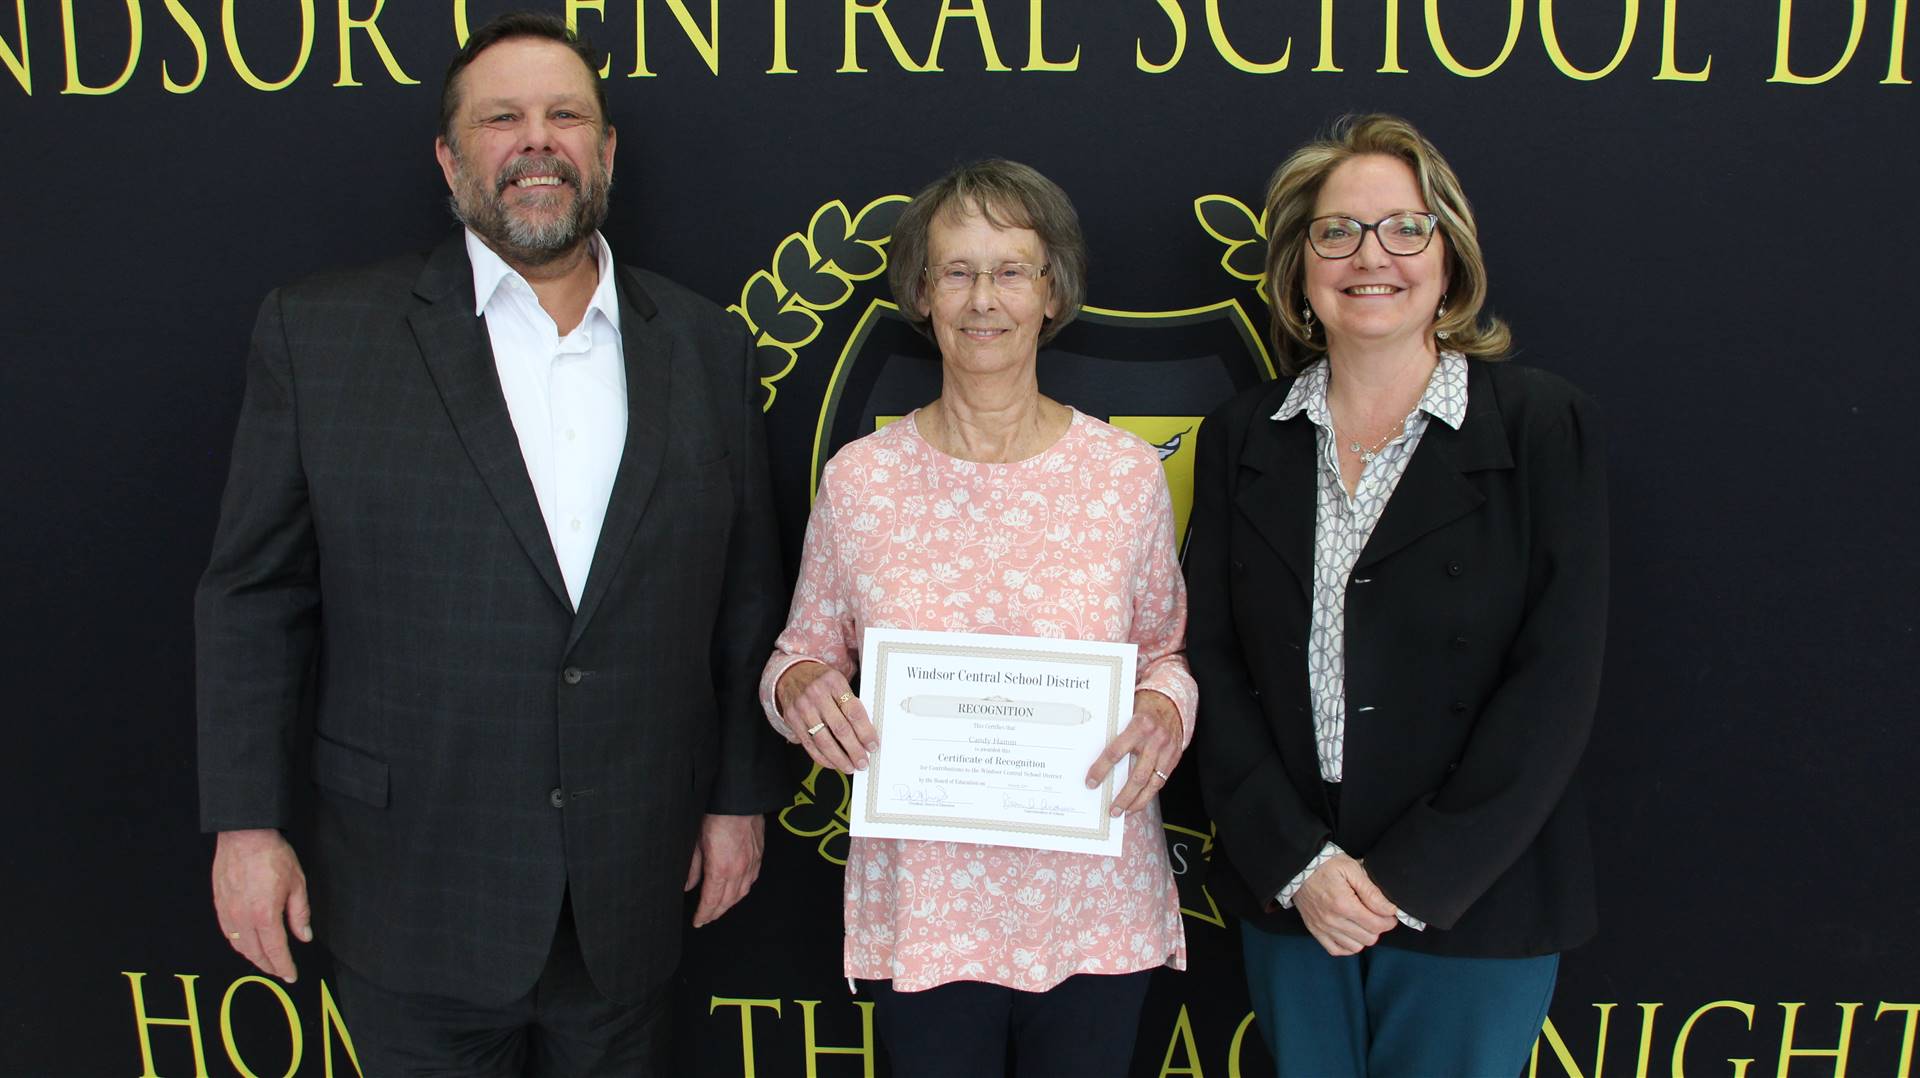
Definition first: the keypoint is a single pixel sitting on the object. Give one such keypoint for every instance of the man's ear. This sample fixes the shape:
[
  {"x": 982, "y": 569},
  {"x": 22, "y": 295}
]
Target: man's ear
[{"x": 449, "y": 161}]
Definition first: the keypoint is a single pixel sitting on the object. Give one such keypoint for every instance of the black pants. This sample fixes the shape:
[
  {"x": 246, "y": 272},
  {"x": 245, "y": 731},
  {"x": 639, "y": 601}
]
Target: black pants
[
  {"x": 564, "y": 1028},
  {"x": 1082, "y": 1028}
]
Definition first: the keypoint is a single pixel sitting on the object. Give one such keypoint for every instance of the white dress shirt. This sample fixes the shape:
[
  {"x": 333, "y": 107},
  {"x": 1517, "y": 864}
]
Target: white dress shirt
[
  {"x": 567, "y": 396},
  {"x": 1342, "y": 525}
]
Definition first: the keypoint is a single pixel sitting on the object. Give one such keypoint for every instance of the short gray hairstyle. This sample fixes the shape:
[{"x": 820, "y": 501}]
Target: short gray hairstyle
[{"x": 1009, "y": 195}]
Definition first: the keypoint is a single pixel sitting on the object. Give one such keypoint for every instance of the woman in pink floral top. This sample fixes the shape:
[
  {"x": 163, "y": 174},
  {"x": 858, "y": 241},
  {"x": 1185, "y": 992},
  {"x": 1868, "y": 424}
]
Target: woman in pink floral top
[{"x": 994, "y": 509}]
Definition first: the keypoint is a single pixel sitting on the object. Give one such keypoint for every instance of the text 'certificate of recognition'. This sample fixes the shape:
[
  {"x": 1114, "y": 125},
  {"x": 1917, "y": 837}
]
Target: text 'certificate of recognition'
[{"x": 988, "y": 739}]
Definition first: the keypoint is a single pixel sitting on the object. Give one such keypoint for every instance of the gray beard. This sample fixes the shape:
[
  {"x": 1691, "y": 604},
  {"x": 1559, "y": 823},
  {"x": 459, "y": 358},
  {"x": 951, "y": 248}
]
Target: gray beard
[{"x": 530, "y": 242}]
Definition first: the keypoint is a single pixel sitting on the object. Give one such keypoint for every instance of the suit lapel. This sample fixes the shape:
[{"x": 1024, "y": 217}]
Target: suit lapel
[
  {"x": 1435, "y": 489},
  {"x": 1279, "y": 499},
  {"x": 454, "y": 343},
  {"x": 649, "y": 358}
]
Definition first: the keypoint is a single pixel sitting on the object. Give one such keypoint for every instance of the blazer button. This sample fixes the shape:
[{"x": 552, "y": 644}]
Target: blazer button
[
  {"x": 571, "y": 675},
  {"x": 1459, "y": 643},
  {"x": 1453, "y": 568},
  {"x": 557, "y": 797},
  {"x": 1459, "y": 707},
  {"x": 1255, "y": 693}
]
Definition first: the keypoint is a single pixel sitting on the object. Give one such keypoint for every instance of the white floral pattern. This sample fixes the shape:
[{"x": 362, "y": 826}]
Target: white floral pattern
[{"x": 1076, "y": 543}]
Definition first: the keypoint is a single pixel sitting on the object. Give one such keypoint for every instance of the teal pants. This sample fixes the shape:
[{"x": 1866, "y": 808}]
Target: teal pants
[{"x": 1389, "y": 1013}]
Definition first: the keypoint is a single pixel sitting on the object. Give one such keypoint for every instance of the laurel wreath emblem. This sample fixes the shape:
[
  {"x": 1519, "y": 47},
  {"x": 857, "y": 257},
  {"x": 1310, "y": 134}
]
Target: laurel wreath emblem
[
  {"x": 1228, "y": 220},
  {"x": 812, "y": 271}
]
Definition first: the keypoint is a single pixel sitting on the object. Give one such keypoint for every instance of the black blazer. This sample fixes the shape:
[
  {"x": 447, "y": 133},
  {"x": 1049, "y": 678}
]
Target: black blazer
[
  {"x": 479, "y": 748},
  {"x": 1475, "y": 622}
]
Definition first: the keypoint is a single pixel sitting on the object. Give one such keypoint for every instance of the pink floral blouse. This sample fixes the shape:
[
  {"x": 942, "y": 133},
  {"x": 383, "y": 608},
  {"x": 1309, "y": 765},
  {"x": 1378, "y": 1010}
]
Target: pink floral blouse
[{"x": 1076, "y": 543}]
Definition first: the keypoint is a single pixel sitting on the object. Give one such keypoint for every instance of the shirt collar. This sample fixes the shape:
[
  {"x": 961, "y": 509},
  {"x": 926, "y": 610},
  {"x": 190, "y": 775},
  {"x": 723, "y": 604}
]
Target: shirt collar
[
  {"x": 1445, "y": 398},
  {"x": 490, "y": 271}
]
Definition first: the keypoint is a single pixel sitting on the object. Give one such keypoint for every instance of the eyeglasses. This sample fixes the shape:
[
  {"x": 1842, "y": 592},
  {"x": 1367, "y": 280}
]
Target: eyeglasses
[
  {"x": 1400, "y": 234},
  {"x": 1006, "y": 277}
]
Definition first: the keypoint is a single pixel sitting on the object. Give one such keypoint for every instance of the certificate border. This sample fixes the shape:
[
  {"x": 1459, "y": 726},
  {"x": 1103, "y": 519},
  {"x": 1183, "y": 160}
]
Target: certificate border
[{"x": 1113, "y": 666}]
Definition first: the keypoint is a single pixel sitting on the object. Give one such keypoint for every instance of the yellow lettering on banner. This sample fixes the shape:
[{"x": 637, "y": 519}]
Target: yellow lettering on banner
[
  {"x": 1686, "y": 1030},
  {"x": 74, "y": 85},
  {"x": 1516, "y": 12},
  {"x": 1183, "y": 1039},
  {"x": 598, "y": 7},
  {"x": 293, "y": 1025},
  {"x": 460, "y": 31},
  {"x": 199, "y": 40},
  {"x": 1838, "y": 1052},
  {"x": 367, "y": 26},
  {"x": 780, "y": 40},
  {"x": 746, "y": 1006},
  {"x": 239, "y": 62},
  {"x": 143, "y": 1023},
  {"x": 1326, "y": 38},
  {"x": 815, "y": 1049},
  {"x": 1560, "y": 1052},
  {"x": 1233, "y": 1047},
  {"x": 1906, "y": 1040},
  {"x": 1390, "y": 60},
  {"x": 1647, "y": 1011},
  {"x": 1036, "y": 51},
  {"x": 1781, "y": 73},
  {"x": 975, "y": 10},
  {"x": 1228, "y": 53},
  {"x": 707, "y": 44},
  {"x": 1551, "y": 39},
  {"x": 877, "y": 11},
  {"x": 20, "y": 63},
  {"x": 1896, "y": 60},
  {"x": 330, "y": 1020},
  {"x": 1669, "y": 67},
  {"x": 1179, "y": 20}
]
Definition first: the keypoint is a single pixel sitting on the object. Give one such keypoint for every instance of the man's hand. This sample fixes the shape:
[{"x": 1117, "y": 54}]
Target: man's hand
[
  {"x": 728, "y": 859},
  {"x": 1342, "y": 907},
  {"x": 257, "y": 881}
]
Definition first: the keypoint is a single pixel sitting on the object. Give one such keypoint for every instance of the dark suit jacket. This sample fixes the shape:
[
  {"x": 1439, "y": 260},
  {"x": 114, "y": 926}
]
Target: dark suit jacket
[
  {"x": 479, "y": 748},
  {"x": 1475, "y": 622}
]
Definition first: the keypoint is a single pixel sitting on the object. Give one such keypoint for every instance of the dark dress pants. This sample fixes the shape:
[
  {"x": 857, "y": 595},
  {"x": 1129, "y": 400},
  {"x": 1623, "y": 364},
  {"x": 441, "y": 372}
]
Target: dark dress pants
[
  {"x": 1083, "y": 1027},
  {"x": 563, "y": 1028}
]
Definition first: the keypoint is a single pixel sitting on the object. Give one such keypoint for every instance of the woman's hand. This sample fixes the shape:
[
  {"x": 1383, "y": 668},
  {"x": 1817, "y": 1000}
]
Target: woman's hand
[
  {"x": 824, "y": 713},
  {"x": 1342, "y": 907},
  {"x": 1153, "y": 739}
]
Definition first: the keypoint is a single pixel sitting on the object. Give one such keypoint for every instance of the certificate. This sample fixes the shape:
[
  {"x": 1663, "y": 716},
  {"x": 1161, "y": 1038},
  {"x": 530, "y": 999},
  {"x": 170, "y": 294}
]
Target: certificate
[{"x": 988, "y": 739}]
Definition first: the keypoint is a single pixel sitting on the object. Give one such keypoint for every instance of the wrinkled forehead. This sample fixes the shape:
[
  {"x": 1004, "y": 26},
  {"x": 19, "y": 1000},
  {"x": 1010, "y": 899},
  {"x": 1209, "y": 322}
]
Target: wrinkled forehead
[
  {"x": 999, "y": 213},
  {"x": 526, "y": 69}
]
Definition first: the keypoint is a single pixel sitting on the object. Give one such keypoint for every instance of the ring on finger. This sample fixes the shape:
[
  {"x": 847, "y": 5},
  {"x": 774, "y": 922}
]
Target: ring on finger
[
  {"x": 844, "y": 697},
  {"x": 816, "y": 728},
  {"x": 233, "y": 935},
  {"x": 1159, "y": 774}
]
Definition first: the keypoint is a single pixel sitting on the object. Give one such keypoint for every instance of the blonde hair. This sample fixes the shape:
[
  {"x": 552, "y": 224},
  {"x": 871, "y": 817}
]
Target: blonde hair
[{"x": 1291, "y": 196}]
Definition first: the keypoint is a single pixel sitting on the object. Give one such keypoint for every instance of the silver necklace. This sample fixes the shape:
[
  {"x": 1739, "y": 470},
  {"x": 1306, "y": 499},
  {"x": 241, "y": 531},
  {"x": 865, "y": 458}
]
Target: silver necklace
[{"x": 1366, "y": 454}]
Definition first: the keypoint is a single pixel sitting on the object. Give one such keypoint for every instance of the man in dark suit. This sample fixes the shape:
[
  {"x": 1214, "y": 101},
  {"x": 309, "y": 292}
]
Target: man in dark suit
[{"x": 499, "y": 517}]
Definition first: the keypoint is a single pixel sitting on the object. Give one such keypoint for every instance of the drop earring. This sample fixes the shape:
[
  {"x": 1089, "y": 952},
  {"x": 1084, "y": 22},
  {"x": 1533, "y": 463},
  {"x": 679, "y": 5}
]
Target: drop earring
[
  {"x": 1306, "y": 318},
  {"x": 1439, "y": 313}
]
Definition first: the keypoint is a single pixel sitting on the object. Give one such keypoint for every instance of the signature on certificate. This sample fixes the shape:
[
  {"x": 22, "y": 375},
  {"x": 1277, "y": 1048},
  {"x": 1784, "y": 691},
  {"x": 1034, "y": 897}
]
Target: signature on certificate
[
  {"x": 922, "y": 793},
  {"x": 1034, "y": 803}
]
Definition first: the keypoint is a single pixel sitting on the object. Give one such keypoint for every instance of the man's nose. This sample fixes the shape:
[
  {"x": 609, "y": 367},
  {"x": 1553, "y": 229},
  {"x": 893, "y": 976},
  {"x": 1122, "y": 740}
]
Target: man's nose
[{"x": 538, "y": 134}]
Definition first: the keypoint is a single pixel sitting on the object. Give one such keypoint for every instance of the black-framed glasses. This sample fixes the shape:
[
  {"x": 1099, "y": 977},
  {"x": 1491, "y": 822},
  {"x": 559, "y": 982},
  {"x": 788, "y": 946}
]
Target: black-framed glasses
[
  {"x": 1005, "y": 277},
  {"x": 1400, "y": 234}
]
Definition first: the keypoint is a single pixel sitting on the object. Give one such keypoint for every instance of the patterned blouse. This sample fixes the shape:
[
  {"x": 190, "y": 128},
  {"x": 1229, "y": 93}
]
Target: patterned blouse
[
  {"x": 1076, "y": 543},
  {"x": 1342, "y": 525}
]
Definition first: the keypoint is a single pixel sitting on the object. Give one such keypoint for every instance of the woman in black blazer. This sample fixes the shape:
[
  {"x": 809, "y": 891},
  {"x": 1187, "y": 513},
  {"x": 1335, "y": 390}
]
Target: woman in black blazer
[{"x": 1397, "y": 581}]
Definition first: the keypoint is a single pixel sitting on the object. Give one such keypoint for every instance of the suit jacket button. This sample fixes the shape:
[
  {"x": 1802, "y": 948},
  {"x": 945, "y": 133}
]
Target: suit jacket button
[
  {"x": 1459, "y": 643},
  {"x": 557, "y": 797},
  {"x": 1459, "y": 707},
  {"x": 1453, "y": 568},
  {"x": 571, "y": 675}
]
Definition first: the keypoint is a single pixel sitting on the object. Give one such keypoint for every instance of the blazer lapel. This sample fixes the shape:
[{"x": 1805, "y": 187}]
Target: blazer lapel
[
  {"x": 1435, "y": 489},
  {"x": 1279, "y": 499},
  {"x": 649, "y": 356},
  {"x": 453, "y": 341}
]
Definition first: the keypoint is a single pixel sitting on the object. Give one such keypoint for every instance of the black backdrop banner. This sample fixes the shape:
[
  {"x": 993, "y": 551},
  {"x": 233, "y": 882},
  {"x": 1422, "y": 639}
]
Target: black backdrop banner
[{"x": 1700, "y": 212}]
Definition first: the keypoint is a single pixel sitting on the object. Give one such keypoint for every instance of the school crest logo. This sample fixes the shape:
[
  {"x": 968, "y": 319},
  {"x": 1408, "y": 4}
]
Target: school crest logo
[{"x": 838, "y": 360}]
